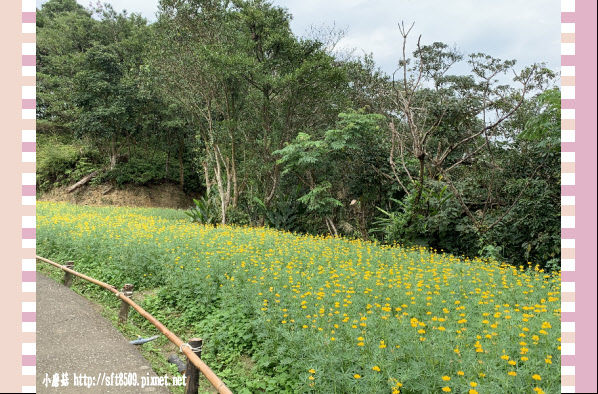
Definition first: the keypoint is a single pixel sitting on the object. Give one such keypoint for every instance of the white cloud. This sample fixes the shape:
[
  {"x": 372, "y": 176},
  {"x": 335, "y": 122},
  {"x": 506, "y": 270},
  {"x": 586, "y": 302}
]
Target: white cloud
[
  {"x": 510, "y": 29},
  {"x": 528, "y": 31}
]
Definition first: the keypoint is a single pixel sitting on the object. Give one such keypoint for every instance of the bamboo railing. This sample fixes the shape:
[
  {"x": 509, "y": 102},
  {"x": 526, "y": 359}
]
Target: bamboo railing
[{"x": 186, "y": 348}]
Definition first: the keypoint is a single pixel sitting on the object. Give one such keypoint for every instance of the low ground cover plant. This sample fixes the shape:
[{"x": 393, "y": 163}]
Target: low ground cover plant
[{"x": 320, "y": 314}]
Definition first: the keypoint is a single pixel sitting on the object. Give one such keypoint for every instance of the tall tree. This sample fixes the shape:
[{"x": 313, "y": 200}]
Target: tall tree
[
  {"x": 247, "y": 80},
  {"x": 194, "y": 58},
  {"x": 65, "y": 31},
  {"x": 106, "y": 87},
  {"x": 295, "y": 84},
  {"x": 444, "y": 121}
]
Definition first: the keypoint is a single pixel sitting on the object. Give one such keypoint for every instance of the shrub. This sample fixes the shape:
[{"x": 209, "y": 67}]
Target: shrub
[
  {"x": 137, "y": 171},
  {"x": 59, "y": 164},
  {"x": 205, "y": 210}
]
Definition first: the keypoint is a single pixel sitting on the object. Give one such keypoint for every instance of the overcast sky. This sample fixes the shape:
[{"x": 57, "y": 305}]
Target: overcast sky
[{"x": 527, "y": 31}]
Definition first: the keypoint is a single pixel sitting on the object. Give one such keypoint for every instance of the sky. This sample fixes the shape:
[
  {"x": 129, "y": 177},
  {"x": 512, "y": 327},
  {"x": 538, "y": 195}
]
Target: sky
[{"x": 527, "y": 31}]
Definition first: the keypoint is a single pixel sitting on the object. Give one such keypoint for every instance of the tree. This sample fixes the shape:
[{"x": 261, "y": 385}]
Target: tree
[
  {"x": 320, "y": 163},
  {"x": 193, "y": 60},
  {"x": 544, "y": 127},
  {"x": 106, "y": 87},
  {"x": 247, "y": 80},
  {"x": 65, "y": 31},
  {"x": 443, "y": 122},
  {"x": 293, "y": 84},
  {"x": 529, "y": 230}
]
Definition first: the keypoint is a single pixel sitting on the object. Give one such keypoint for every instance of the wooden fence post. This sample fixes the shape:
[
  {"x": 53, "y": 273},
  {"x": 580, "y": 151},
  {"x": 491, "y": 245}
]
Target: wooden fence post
[
  {"x": 123, "y": 314},
  {"x": 192, "y": 386},
  {"x": 68, "y": 277}
]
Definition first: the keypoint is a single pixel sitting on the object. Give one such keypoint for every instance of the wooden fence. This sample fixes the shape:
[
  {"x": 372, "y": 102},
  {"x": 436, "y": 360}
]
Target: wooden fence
[{"x": 192, "y": 349}]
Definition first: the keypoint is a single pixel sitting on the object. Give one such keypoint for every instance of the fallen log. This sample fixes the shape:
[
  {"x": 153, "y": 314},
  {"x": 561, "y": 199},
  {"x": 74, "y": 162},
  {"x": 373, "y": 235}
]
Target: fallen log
[{"x": 83, "y": 181}]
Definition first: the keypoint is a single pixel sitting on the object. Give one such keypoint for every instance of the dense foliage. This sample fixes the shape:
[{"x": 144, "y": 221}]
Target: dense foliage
[
  {"x": 274, "y": 129},
  {"x": 283, "y": 313}
]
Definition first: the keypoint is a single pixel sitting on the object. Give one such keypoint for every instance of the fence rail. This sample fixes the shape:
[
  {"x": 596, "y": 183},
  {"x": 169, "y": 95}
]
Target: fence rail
[{"x": 186, "y": 348}]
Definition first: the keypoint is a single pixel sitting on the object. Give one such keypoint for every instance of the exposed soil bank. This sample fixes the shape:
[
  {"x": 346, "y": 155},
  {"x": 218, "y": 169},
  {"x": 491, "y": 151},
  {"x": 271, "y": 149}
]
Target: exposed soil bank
[{"x": 165, "y": 195}]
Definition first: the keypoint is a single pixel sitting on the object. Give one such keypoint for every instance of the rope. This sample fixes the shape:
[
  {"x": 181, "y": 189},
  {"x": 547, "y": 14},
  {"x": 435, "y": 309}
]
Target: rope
[
  {"x": 127, "y": 294},
  {"x": 193, "y": 349}
]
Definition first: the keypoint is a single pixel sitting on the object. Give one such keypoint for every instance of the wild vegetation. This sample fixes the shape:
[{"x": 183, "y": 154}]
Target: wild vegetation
[
  {"x": 276, "y": 129},
  {"x": 283, "y": 312}
]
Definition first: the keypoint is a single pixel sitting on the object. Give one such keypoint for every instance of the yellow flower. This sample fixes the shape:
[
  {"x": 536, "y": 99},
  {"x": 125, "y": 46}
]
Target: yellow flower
[
  {"x": 312, "y": 371},
  {"x": 512, "y": 373},
  {"x": 460, "y": 373},
  {"x": 311, "y": 378},
  {"x": 376, "y": 368},
  {"x": 446, "y": 378},
  {"x": 473, "y": 384},
  {"x": 539, "y": 390},
  {"x": 472, "y": 391},
  {"x": 357, "y": 376},
  {"x": 446, "y": 389},
  {"x": 536, "y": 377}
]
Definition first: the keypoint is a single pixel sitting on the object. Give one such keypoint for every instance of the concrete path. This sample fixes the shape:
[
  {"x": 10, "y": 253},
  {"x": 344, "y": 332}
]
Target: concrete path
[{"x": 73, "y": 338}]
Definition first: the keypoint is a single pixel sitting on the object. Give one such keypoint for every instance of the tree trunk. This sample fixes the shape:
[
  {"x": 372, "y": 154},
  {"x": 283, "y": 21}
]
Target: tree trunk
[
  {"x": 420, "y": 187},
  {"x": 206, "y": 171},
  {"x": 234, "y": 176},
  {"x": 167, "y": 163},
  {"x": 268, "y": 197},
  {"x": 331, "y": 227},
  {"x": 113, "y": 152},
  {"x": 182, "y": 172},
  {"x": 82, "y": 182},
  {"x": 169, "y": 144},
  {"x": 220, "y": 184}
]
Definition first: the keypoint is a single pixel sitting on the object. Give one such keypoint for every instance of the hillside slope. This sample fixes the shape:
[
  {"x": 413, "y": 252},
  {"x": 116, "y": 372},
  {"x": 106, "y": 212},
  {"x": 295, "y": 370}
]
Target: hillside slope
[{"x": 164, "y": 195}]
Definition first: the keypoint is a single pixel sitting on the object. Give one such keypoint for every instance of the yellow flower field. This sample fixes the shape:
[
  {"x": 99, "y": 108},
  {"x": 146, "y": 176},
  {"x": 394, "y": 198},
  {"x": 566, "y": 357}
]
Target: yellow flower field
[{"x": 327, "y": 315}]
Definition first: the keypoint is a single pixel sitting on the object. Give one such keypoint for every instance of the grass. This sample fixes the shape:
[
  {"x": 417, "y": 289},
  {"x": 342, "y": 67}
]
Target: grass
[{"x": 320, "y": 314}]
